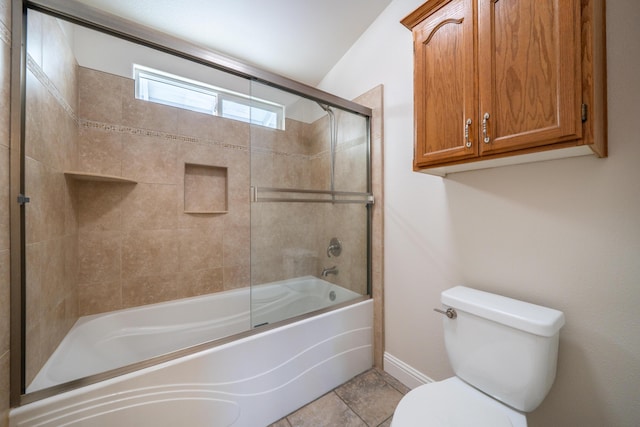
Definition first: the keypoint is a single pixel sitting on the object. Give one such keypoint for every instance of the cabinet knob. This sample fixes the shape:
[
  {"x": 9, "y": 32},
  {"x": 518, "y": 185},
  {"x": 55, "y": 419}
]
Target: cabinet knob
[
  {"x": 485, "y": 133},
  {"x": 467, "y": 143}
]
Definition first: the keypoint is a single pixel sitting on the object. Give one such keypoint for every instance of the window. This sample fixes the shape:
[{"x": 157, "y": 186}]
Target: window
[{"x": 163, "y": 88}]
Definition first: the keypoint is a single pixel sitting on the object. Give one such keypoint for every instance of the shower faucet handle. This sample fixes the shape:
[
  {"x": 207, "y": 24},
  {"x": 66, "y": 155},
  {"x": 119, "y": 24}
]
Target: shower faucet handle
[{"x": 335, "y": 247}]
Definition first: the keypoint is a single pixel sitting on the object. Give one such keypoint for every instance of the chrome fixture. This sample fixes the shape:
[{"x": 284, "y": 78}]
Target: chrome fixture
[
  {"x": 328, "y": 271},
  {"x": 335, "y": 247},
  {"x": 450, "y": 313}
]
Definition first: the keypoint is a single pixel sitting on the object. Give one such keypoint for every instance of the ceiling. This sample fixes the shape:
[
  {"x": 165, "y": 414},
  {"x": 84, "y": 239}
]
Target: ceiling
[{"x": 299, "y": 39}]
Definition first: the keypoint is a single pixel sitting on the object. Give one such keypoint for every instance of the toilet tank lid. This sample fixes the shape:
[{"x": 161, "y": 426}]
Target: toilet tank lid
[{"x": 525, "y": 316}]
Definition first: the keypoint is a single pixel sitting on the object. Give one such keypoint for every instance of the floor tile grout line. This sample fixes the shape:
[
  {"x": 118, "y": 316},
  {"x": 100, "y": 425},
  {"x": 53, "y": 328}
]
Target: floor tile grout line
[
  {"x": 385, "y": 377},
  {"x": 350, "y": 408}
]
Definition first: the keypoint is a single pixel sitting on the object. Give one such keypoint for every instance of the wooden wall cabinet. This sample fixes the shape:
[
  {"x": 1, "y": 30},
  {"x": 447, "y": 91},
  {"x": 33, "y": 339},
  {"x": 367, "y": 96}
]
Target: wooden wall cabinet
[{"x": 507, "y": 81}]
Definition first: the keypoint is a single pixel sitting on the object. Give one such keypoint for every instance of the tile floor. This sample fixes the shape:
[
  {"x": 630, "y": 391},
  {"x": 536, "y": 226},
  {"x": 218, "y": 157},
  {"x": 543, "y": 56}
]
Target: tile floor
[{"x": 367, "y": 400}]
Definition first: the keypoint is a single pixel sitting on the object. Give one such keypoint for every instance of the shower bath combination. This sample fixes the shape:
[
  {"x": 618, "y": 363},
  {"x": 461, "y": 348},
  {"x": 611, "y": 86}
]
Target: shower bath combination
[{"x": 139, "y": 231}]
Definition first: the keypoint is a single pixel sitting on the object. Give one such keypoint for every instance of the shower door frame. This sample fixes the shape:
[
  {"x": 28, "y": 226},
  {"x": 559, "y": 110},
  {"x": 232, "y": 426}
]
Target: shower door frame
[{"x": 80, "y": 14}]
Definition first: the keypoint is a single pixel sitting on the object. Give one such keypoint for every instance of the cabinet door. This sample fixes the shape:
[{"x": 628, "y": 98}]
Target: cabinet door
[
  {"x": 529, "y": 73},
  {"x": 445, "y": 95}
]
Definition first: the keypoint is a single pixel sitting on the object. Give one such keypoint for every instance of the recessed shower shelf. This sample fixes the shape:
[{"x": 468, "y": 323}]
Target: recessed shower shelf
[
  {"x": 205, "y": 189},
  {"x": 86, "y": 176},
  {"x": 206, "y": 212}
]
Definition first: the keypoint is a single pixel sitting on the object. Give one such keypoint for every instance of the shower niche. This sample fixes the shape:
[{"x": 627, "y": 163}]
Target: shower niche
[{"x": 205, "y": 189}]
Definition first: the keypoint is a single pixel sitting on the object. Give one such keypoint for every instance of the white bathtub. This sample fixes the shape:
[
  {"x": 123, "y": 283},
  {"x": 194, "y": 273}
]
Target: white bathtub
[{"x": 252, "y": 381}]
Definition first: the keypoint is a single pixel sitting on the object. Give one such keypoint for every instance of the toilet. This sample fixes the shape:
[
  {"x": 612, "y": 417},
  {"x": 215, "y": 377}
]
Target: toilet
[{"x": 503, "y": 353}]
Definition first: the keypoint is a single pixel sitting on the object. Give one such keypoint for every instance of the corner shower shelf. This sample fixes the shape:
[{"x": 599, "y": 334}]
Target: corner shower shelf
[{"x": 86, "y": 176}]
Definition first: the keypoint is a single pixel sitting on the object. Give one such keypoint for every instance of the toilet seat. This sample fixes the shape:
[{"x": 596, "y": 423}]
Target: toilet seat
[{"x": 453, "y": 403}]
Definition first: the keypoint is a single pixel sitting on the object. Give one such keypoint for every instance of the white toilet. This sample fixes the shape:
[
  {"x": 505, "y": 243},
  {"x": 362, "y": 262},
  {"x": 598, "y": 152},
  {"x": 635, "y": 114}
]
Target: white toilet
[{"x": 503, "y": 352}]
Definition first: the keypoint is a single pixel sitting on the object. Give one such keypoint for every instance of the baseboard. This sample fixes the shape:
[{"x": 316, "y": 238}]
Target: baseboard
[{"x": 404, "y": 373}]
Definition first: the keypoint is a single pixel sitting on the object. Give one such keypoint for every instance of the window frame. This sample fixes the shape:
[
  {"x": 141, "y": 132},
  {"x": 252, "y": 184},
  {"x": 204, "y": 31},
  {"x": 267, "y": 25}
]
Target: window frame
[{"x": 221, "y": 95}]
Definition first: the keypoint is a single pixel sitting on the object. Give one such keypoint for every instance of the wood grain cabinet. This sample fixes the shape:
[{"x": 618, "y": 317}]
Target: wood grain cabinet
[{"x": 507, "y": 81}]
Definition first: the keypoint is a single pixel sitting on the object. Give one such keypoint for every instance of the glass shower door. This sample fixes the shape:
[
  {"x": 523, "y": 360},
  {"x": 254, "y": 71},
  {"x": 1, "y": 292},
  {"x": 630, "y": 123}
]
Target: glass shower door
[{"x": 310, "y": 206}]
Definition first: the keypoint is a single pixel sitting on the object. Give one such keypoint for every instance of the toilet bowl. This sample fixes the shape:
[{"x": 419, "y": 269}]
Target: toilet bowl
[
  {"x": 504, "y": 354},
  {"x": 453, "y": 403}
]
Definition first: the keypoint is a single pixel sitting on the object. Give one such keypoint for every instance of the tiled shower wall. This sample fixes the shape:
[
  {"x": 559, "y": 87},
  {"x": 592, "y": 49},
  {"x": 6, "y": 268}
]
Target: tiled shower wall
[
  {"x": 291, "y": 239},
  {"x": 5, "y": 52},
  {"x": 136, "y": 244}
]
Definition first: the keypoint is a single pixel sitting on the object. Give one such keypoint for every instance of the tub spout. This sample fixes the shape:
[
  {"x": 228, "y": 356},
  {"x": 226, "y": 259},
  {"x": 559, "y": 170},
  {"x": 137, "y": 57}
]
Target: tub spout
[{"x": 328, "y": 271}]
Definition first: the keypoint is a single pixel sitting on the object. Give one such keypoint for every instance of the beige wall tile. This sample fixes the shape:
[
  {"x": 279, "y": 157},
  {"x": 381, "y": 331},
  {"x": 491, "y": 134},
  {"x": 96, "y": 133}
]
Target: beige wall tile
[
  {"x": 58, "y": 60},
  {"x": 99, "y": 256},
  {"x": 70, "y": 248},
  {"x": 53, "y": 204},
  {"x": 237, "y": 244},
  {"x": 148, "y": 115},
  {"x": 147, "y": 253},
  {"x": 70, "y": 207},
  {"x": 34, "y": 303},
  {"x": 99, "y": 297},
  {"x": 200, "y": 248},
  {"x": 34, "y": 213},
  {"x": 100, "y": 151},
  {"x": 100, "y": 96},
  {"x": 263, "y": 138},
  {"x": 54, "y": 320},
  {"x": 150, "y": 207},
  {"x": 150, "y": 159},
  {"x": 100, "y": 205},
  {"x": 149, "y": 289},
  {"x": 211, "y": 128},
  {"x": 200, "y": 282},
  {"x": 57, "y": 132},
  {"x": 53, "y": 268},
  {"x": 202, "y": 153},
  {"x": 50, "y": 130},
  {"x": 237, "y": 276},
  {"x": 36, "y": 95},
  {"x": 233, "y": 132},
  {"x": 239, "y": 190}
]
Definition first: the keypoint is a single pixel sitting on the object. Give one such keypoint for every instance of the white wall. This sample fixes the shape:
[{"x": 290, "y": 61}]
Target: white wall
[{"x": 563, "y": 233}]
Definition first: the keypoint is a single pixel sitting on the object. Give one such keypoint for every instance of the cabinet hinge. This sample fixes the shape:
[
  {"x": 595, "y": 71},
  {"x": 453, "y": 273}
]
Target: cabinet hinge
[
  {"x": 22, "y": 199},
  {"x": 584, "y": 110}
]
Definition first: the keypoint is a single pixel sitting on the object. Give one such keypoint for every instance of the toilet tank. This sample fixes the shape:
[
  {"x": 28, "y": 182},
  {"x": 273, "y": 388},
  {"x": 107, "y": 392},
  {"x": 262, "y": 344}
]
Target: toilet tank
[{"x": 504, "y": 347}]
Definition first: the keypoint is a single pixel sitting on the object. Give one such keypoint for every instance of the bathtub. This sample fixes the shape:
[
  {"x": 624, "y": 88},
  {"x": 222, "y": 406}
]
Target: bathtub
[{"x": 251, "y": 381}]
